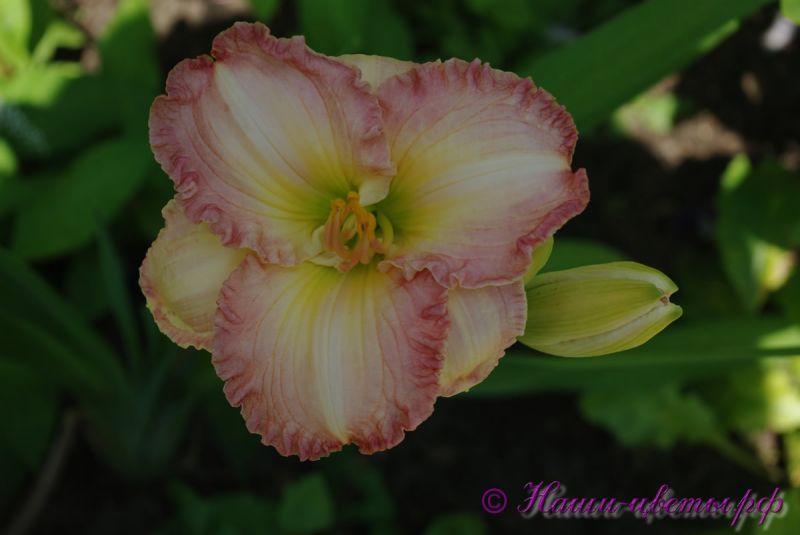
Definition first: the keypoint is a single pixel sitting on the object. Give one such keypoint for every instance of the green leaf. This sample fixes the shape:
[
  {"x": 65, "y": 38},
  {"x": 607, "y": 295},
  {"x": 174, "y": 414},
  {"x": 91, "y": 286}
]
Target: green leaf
[
  {"x": 791, "y": 448},
  {"x": 235, "y": 513},
  {"x": 80, "y": 284},
  {"x": 683, "y": 352},
  {"x": 764, "y": 395},
  {"x": 391, "y": 36},
  {"x": 89, "y": 101},
  {"x": 602, "y": 70},
  {"x": 28, "y": 410},
  {"x": 128, "y": 56},
  {"x": 374, "y": 505},
  {"x": 38, "y": 85},
  {"x": 457, "y": 524},
  {"x": 651, "y": 113},
  {"x": 355, "y": 26},
  {"x": 508, "y": 14},
  {"x": 265, "y": 8},
  {"x": 113, "y": 276},
  {"x": 789, "y": 297},
  {"x": 647, "y": 416},
  {"x": 23, "y": 340},
  {"x": 15, "y": 27},
  {"x": 334, "y": 26},
  {"x": 58, "y": 34},
  {"x": 791, "y": 10},
  {"x": 663, "y": 416},
  {"x": 46, "y": 329},
  {"x": 98, "y": 184},
  {"x": 8, "y": 162},
  {"x": 757, "y": 228},
  {"x": 306, "y": 506}
]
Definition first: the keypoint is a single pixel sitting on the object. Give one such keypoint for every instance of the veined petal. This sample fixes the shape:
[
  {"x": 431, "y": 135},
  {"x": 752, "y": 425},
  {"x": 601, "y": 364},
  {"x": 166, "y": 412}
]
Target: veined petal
[
  {"x": 484, "y": 322},
  {"x": 181, "y": 277},
  {"x": 376, "y": 69},
  {"x": 483, "y": 171},
  {"x": 318, "y": 359},
  {"x": 261, "y": 138}
]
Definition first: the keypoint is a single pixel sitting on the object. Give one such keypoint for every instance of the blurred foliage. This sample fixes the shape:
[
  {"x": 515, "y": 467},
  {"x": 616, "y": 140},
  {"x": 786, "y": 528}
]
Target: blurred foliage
[
  {"x": 758, "y": 228},
  {"x": 791, "y": 10},
  {"x": 80, "y": 199}
]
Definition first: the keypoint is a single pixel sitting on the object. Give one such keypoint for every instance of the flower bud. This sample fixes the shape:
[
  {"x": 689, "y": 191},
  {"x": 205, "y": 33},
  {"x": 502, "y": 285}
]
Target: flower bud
[
  {"x": 597, "y": 310},
  {"x": 539, "y": 258}
]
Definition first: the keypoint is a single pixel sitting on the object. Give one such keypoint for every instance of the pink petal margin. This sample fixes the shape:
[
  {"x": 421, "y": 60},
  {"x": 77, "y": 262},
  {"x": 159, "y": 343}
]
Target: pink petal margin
[
  {"x": 316, "y": 362},
  {"x": 455, "y": 99}
]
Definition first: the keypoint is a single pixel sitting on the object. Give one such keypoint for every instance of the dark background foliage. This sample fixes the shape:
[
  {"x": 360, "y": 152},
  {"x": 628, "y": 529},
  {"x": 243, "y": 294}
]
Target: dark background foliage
[{"x": 688, "y": 113}]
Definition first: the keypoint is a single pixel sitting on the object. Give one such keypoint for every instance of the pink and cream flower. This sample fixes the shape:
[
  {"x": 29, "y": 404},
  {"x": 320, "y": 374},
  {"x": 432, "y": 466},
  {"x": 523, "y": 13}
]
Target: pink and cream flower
[{"x": 349, "y": 235}]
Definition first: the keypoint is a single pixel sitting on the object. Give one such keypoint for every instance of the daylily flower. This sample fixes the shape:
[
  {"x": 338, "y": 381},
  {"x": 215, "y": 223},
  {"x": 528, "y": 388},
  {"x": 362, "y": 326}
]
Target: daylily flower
[{"x": 349, "y": 235}]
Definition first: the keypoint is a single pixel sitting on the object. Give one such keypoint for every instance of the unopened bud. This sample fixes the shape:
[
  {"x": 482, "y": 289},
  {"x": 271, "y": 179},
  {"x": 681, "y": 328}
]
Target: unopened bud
[
  {"x": 597, "y": 310},
  {"x": 539, "y": 258}
]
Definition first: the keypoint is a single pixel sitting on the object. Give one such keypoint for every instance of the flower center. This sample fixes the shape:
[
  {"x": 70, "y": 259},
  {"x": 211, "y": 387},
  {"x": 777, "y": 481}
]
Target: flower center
[{"x": 354, "y": 233}]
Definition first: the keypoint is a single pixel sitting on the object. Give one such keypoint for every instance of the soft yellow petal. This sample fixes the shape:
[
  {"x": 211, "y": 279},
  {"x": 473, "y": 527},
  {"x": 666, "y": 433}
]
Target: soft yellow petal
[
  {"x": 376, "y": 69},
  {"x": 483, "y": 323},
  {"x": 181, "y": 277}
]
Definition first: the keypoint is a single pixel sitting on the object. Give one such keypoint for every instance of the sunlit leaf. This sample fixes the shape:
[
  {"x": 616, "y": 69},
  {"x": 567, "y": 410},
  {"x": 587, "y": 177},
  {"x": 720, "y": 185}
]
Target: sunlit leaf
[
  {"x": 762, "y": 396},
  {"x": 58, "y": 34},
  {"x": 791, "y": 10},
  {"x": 37, "y": 84},
  {"x": 757, "y": 227},
  {"x": 15, "y": 27},
  {"x": 8, "y": 162},
  {"x": 653, "y": 113}
]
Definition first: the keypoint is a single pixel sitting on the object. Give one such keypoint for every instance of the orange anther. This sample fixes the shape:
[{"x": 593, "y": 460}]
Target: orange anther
[{"x": 346, "y": 221}]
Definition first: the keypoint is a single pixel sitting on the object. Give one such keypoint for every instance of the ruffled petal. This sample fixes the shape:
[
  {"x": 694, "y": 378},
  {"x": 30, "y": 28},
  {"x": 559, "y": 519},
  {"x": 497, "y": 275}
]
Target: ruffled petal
[
  {"x": 483, "y": 171},
  {"x": 376, "y": 69},
  {"x": 261, "y": 138},
  {"x": 318, "y": 359},
  {"x": 483, "y": 323},
  {"x": 181, "y": 277}
]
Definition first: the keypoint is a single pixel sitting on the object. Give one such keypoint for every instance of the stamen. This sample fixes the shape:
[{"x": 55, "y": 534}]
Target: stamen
[{"x": 348, "y": 220}]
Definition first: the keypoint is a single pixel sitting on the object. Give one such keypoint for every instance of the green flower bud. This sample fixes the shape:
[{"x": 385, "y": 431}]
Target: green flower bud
[
  {"x": 539, "y": 258},
  {"x": 597, "y": 310}
]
